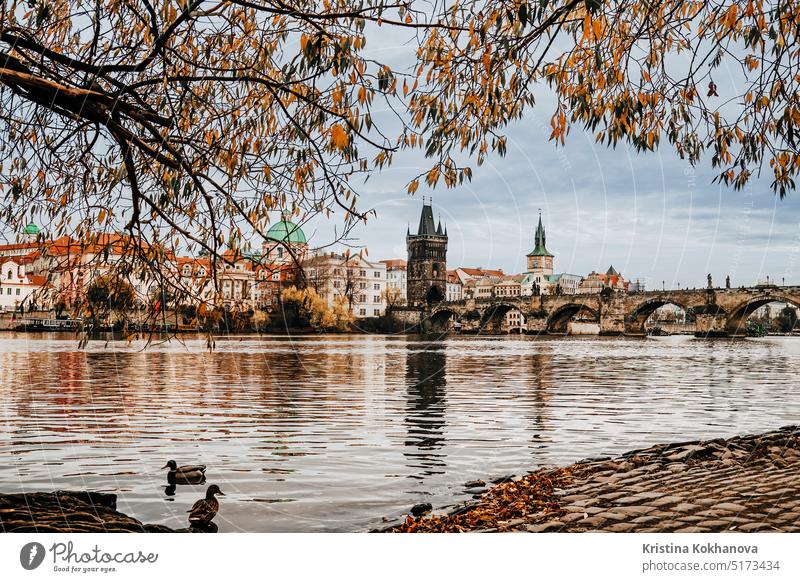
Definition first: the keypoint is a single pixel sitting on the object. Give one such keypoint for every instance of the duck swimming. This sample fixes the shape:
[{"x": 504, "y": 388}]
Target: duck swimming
[
  {"x": 204, "y": 510},
  {"x": 186, "y": 475}
]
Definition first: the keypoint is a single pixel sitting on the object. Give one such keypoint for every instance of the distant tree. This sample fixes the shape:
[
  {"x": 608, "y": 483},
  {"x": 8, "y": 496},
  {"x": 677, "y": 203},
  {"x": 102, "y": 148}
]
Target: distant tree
[
  {"x": 108, "y": 294},
  {"x": 316, "y": 311},
  {"x": 393, "y": 297},
  {"x": 260, "y": 320},
  {"x": 787, "y": 319}
]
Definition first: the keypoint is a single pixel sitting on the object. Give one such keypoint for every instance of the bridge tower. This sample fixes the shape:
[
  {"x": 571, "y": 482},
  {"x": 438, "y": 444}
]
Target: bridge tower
[
  {"x": 540, "y": 260},
  {"x": 427, "y": 261}
]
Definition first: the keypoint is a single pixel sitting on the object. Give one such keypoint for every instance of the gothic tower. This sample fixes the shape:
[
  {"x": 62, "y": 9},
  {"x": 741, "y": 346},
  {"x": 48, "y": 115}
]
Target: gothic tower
[
  {"x": 540, "y": 260},
  {"x": 427, "y": 261}
]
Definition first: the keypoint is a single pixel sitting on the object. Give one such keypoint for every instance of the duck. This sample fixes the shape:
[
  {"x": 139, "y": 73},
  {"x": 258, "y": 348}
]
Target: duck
[
  {"x": 204, "y": 510},
  {"x": 187, "y": 474}
]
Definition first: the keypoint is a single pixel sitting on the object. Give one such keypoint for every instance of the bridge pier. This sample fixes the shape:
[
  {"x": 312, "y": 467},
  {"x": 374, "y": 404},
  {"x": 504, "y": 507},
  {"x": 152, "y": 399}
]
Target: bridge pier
[
  {"x": 711, "y": 325},
  {"x": 536, "y": 325},
  {"x": 612, "y": 313}
]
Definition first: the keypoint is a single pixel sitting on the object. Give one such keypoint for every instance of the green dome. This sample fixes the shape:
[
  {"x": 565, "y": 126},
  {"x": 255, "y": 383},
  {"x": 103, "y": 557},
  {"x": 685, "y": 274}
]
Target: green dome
[
  {"x": 31, "y": 229},
  {"x": 286, "y": 231}
]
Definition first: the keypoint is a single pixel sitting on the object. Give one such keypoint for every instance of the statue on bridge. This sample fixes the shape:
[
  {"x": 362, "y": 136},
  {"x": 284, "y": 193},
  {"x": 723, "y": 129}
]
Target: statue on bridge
[
  {"x": 710, "y": 284},
  {"x": 728, "y": 282}
]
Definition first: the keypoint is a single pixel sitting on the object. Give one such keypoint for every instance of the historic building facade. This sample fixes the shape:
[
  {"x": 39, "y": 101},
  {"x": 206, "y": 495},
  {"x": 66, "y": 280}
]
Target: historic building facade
[
  {"x": 427, "y": 261},
  {"x": 350, "y": 279}
]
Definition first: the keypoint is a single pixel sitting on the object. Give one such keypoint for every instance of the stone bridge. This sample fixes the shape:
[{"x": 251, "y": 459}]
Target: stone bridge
[{"x": 716, "y": 312}]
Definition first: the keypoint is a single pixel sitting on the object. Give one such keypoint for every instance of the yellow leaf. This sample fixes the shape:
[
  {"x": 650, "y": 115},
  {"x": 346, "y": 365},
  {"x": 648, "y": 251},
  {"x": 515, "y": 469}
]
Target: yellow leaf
[
  {"x": 339, "y": 137},
  {"x": 597, "y": 27}
]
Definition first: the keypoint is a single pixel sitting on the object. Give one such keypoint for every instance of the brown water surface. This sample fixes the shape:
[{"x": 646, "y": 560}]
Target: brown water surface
[{"x": 330, "y": 433}]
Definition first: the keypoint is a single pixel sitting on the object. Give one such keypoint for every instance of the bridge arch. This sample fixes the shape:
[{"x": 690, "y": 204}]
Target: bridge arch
[
  {"x": 492, "y": 317},
  {"x": 637, "y": 318},
  {"x": 737, "y": 317},
  {"x": 440, "y": 319},
  {"x": 559, "y": 320}
]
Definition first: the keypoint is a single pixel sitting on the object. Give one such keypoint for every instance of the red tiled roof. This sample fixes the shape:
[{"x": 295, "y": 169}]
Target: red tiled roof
[
  {"x": 394, "y": 263},
  {"x": 483, "y": 272}
]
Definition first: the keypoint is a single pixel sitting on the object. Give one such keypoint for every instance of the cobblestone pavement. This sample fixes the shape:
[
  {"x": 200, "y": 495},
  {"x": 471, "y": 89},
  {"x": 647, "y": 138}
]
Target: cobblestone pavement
[{"x": 743, "y": 484}]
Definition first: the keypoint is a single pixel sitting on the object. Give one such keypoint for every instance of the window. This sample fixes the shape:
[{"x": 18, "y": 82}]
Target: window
[
  {"x": 361, "y": 273},
  {"x": 377, "y": 286},
  {"x": 362, "y": 311},
  {"x": 376, "y": 311},
  {"x": 362, "y": 285},
  {"x": 377, "y": 274},
  {"x": 276, "y": 276},
  {"x": 280, "y": 252},
  {"x": 9, "y": 274},
  {"x": 362, "y": 298},
  {"x": 17, "y": 291},
  {"x": 376, "y": 298},
  {"x": 8, "y": 291}
]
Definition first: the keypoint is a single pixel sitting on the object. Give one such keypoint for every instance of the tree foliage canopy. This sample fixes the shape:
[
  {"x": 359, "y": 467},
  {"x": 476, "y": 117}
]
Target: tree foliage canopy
[{"x": 185, "y": 122}]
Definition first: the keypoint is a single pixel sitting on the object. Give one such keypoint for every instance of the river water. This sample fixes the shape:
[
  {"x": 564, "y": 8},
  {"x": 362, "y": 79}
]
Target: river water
[{"x": 332, "y": 433}]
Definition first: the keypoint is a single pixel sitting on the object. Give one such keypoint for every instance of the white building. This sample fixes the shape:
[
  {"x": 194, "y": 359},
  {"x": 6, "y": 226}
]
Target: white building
[
  {"x": 564, "y": 283},
  {"x": 455, "y": 289},
  {"x": 20, "y": 287},
  {"x": 397, "y": 278},
  {"x": 514, "y": 320},
  {"x": 360, "y": 282}
]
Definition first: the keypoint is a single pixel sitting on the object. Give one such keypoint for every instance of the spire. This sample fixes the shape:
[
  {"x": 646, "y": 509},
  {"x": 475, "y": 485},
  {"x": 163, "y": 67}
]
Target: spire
[
  {"x": 540, "y": 248},
  {"x": 426, "y": 224},
  {"x": 439, "y": 228}
]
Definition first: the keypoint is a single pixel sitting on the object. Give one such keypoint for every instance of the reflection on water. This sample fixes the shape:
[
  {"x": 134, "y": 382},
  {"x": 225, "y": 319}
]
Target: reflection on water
[
  {"x": 330, "y": 433},
  {"x": 426, "y": 382}
]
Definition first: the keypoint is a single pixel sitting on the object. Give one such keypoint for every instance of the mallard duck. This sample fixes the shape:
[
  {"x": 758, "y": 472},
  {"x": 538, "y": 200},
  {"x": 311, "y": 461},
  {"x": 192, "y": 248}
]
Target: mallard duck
[
  {"x": 187, "y": 474},
  {"x": 204, "y": 510}
]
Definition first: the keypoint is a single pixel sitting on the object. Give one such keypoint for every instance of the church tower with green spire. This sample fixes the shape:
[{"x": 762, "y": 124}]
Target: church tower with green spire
[{"x": 540, "y": 260}]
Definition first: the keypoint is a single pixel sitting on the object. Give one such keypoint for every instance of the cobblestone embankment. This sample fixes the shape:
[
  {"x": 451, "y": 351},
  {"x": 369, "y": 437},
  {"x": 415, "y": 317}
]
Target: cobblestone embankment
[{"x": 744, "y": 484}]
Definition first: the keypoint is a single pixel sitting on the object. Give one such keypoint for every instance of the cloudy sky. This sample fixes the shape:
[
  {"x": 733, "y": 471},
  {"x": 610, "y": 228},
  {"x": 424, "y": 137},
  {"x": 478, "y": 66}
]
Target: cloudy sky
[{"x": 652, "y": 216}]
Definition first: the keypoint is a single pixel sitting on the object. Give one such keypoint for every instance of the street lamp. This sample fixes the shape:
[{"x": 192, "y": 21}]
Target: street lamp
[{"x": 663, "y": 285}]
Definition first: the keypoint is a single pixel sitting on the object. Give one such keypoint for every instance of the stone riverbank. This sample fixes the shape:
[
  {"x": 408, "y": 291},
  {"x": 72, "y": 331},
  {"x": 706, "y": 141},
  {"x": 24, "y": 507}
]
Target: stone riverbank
[
  {"x": 747, "y": 483},
  {"x": 68, "y": 512}
]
